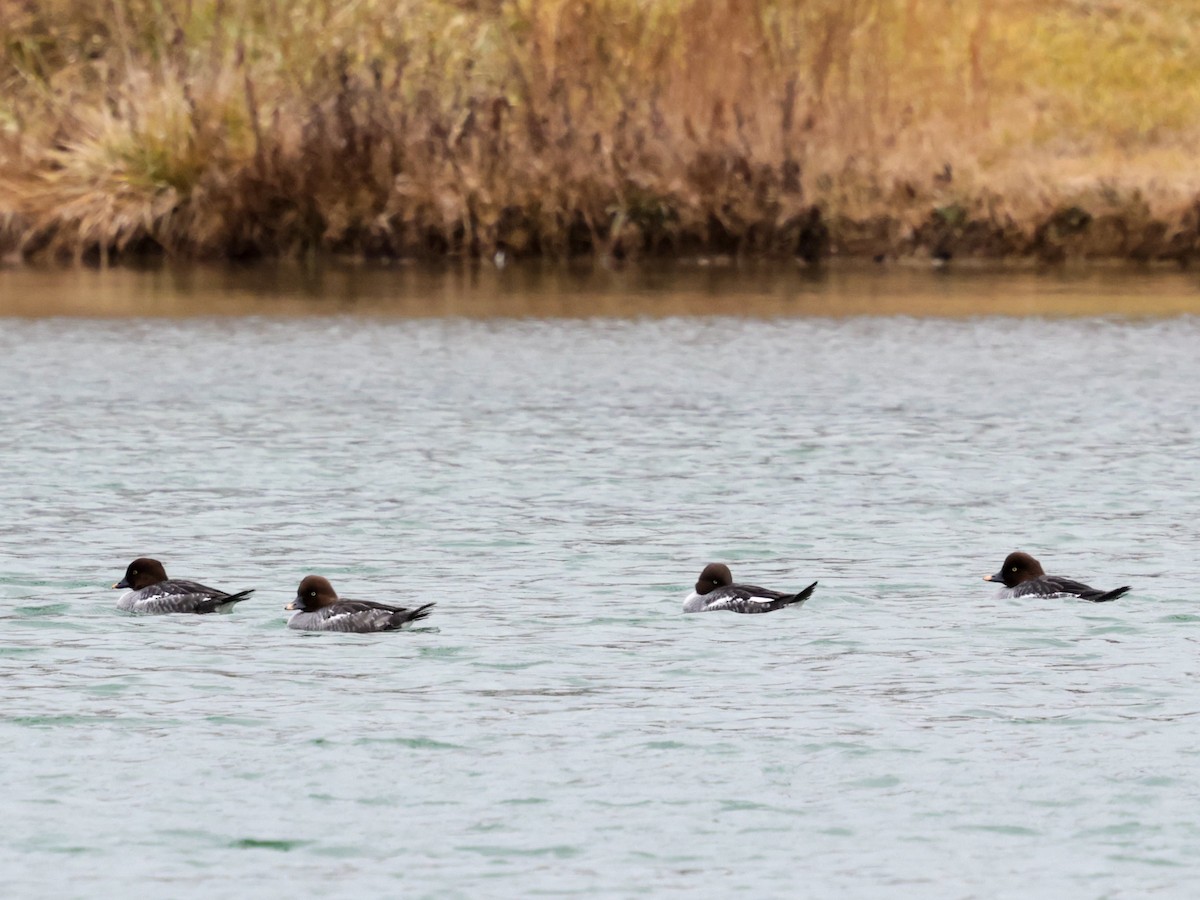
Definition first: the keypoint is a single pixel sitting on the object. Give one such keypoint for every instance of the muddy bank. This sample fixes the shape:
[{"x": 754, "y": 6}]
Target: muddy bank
[{"x": 812, "y": 236}]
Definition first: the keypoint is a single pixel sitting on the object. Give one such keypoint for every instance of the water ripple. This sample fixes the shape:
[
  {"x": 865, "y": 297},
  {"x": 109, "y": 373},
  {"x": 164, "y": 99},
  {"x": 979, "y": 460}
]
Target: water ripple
[{"x": 555, "y": 487}]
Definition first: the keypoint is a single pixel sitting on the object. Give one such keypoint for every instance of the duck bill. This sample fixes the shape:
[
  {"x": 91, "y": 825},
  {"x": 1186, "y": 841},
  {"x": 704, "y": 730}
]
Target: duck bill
[
  {"x": 120, "y": 584},
  {"x": 999, "y": 576},
  {"x": 292, "y": 605}
]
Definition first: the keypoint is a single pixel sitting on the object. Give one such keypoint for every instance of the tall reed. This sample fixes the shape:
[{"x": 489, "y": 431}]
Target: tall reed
[{"x": 239, "y": 128}]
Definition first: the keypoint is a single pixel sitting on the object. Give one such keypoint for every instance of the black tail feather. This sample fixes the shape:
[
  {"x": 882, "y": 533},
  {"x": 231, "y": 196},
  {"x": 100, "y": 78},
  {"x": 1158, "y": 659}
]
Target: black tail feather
[
  {"x": 404, "y": 616},
  {"x": 217, "y": 603},
  {"x": 794, "y": 600},
  {"x": 1105, "y": 596},
  {"x": 804, "y": 594}
]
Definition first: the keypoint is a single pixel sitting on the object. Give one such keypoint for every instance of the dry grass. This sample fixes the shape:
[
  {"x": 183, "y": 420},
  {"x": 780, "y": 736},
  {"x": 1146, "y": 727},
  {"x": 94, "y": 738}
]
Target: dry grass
[{"x": 235, "y": 128}]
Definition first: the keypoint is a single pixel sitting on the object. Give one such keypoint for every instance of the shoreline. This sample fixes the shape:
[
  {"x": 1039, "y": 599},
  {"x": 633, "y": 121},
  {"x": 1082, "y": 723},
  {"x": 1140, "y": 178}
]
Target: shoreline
[{"x": 1070, "y": 235}]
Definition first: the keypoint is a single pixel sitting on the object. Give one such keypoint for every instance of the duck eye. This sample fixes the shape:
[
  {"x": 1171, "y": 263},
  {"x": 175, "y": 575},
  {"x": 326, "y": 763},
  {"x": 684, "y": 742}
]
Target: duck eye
[
  {"x": 1013, "y": 569},
  {"x": 312, "y": 593}
]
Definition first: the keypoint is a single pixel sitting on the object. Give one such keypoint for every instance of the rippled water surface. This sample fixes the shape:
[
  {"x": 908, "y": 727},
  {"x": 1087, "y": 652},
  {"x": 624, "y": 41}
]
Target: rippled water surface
[{"x": 555, "y": 485}]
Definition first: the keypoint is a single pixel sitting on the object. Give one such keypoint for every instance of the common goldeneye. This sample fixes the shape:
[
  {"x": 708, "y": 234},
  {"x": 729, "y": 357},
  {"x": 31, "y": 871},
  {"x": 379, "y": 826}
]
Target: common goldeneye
[
  {"x": 148, "y": 590},
  {"x": 1022, "y": 574},
  {"x": 318, "y": 608},
  {"x": 716, "y": 590}
]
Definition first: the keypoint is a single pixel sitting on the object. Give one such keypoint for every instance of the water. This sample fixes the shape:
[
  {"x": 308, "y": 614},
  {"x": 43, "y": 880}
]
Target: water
[{"x": 555, "y": 485}]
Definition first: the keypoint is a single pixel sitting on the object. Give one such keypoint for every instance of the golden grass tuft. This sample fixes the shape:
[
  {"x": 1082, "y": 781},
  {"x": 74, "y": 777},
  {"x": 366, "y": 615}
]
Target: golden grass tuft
[{"x": 236, "y": 128}]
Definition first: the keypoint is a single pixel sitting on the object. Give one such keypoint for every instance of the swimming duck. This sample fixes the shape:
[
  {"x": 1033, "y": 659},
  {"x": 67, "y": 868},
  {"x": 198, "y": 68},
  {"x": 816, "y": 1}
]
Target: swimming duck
[
  {"x": 150, "y": 591},
  {"x": 715, "y": 590},
  {"x": 317, "y": 607},
  {"x": 1021, "y": 574}
]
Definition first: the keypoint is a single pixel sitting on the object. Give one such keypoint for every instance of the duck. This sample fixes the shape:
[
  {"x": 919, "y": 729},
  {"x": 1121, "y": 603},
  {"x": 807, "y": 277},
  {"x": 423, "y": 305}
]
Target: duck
[
  {"x": 317, "y": 607},
  {"x": 149, "y": 591},
  {"x": 715, "y": 590},
  {"x": 1021, "y": 574}
]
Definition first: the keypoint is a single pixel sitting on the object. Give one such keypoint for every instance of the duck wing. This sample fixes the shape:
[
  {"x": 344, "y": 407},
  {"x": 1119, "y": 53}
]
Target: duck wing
[
  {"x": 366, "y": 616},
  {"x": 749, "y": 598},
  {"x": 1051, "y": 585}
]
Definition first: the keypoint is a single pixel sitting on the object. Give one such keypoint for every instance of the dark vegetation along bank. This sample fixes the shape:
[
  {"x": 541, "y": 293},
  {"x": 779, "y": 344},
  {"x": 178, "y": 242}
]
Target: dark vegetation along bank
[{"x": 619, "y": 128}]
